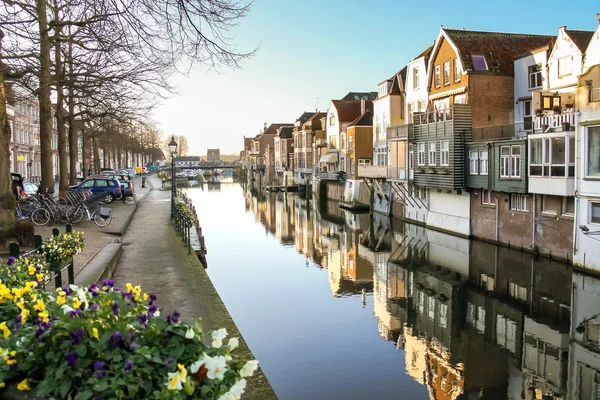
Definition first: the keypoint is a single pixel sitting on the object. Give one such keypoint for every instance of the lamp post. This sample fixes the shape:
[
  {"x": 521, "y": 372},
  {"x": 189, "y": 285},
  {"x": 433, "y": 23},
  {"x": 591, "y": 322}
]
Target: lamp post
[{"x": 173, "y": 151}]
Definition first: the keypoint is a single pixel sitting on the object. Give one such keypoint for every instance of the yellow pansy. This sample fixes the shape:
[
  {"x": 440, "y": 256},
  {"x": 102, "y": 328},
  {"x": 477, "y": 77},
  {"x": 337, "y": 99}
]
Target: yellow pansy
[
  {"x": 39, "y": 306},
  {"x": 24, "y": 314},
  {"x": 95, "y": 334},
  {"x": 30, "y": 285},
  {"x": 40, "y": 277},
  {"x": 31, "y": 270},
  {"x": 4, "y": 329},
  {"x": 76, "y": 302},
  {"x": 2, "y": 384},
  {"x": 129, "y": 287},
  {"x": 23, "y": 385},
  {"x": 145, "y": 296},
  {"x": 44, "y": 316}
]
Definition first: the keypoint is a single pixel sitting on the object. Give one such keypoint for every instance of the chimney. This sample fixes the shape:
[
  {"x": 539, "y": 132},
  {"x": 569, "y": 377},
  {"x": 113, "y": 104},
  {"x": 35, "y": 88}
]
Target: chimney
[
  {"x": 598, "y": 17},
  {"x": 362, "y": 106},
  {"x": 265, "y": 128}
]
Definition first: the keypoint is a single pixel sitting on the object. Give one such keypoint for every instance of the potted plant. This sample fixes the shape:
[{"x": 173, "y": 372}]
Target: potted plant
[
  {"x": 430, "y": 170},
  {"x": 443, "y": 171},
  {"x": 557, "y": 109},
  {"x": 539, "y": 112},
  {"x": 569, "y": 106}
]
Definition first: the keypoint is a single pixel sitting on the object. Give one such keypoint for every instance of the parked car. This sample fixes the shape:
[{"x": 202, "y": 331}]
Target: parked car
[
  {"x": 30, "y": 188},
  {"x": 101, "y": 184},
  {"x": 17, "y": 185},
  {"x": 124, "y": 181}
]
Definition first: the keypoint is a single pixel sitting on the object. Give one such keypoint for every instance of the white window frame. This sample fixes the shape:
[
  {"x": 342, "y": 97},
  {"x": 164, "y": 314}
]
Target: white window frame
[
  {"x": 510, "y": 164},
  {"x": 421, "y": 153},
  {"x": 410, "y": 112},
  {"x": 488, "y": 198},
  {"x": 363, "y": 162},
  {"x": 590, "y": 213},
  {"x": 457, "y": 72},
  {"x": 473, "y": 162},
  {"x": 415, "y": 78},
  {"x": 431, "y": 154},
  {"x": 436, "y": 77},
  {"x": 483, "y": 162},
  {"x": 411, "y": 156},
  {"x": 588, "y": 133},
  {"x": 443, "y": 315},
  {"x": 565, "y": 66},
  {"x": 536, "y": 74},
  {"x": 445, "y": 153},
  {"x": 447, "y": 78},
  {"x": 518, "y": 202}
]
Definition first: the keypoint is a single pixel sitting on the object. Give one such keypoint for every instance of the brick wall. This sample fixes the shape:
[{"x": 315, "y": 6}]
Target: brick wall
[{"x": 492, "y": 100}]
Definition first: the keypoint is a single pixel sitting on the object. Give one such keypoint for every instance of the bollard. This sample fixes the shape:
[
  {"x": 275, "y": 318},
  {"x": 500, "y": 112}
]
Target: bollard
[
  {"x": 14, "y": 250},
  {"x": 69, "y": 228},
  {"x": 189, "y": 241},
  {"x": 55, "y": 232},
  {"x": 144, "y": 182}
]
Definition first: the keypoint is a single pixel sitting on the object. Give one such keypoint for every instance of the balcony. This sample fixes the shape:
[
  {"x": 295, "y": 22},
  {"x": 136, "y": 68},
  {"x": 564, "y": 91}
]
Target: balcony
[
  {"x": 333, "y": 176},
  {"x": 549, "y": 121},
  {"x": 321, "y": 142},
  {"x": 400, "y": 131},
  {"x": 396, "y": 174},
  {"x": 372, "y": 171}
]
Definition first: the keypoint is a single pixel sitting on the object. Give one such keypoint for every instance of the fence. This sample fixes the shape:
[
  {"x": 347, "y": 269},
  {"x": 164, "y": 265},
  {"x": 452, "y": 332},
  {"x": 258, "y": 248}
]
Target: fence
[
  {"x": 191, "y": 232},
  {"x": 56, "y": 267}
]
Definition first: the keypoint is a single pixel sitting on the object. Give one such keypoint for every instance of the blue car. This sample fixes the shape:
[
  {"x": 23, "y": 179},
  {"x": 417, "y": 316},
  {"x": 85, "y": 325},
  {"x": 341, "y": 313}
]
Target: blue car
[{"x": 100, "y": 185}]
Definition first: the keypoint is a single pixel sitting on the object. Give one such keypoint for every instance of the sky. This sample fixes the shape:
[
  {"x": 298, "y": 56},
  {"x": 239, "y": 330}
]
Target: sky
[{"x": 325, "y": 49}]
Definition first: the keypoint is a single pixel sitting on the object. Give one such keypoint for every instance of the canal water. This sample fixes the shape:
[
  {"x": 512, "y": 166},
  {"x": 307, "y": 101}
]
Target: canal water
[{"x": 342, "y": 306}]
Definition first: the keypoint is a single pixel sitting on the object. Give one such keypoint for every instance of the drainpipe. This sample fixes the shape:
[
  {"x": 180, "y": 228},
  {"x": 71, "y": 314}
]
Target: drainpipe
[
  {"x": 576, "y": 194},
  {"x": 533, "y": 220}
]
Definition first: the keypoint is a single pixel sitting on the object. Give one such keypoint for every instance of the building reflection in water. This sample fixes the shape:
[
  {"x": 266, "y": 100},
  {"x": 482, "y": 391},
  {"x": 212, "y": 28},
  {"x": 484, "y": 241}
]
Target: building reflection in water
[{"x": 475, "y": 321}]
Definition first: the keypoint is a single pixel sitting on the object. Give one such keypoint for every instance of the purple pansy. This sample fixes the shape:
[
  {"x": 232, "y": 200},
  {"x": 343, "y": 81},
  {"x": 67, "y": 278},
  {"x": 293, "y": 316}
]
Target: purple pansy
[
  {"x": 152, "y": 298},
  {"x": 116, "y": 340},
  {"x": 115, "y": 308},
  {"x": 128, "y": 366},
  {"x": 71, "y": 359},
  {"x": 76, "y": 336},
  {"x": 11, "y": 260}
]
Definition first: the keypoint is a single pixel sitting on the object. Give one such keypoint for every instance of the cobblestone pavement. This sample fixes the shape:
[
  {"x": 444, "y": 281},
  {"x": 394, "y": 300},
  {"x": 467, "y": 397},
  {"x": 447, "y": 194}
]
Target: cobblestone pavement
[{"x": 155, "y": 258}]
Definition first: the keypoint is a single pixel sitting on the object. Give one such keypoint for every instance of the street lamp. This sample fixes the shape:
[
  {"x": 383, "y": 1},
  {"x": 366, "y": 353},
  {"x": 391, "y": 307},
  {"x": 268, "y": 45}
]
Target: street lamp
[{"x": 173, "y": 151}]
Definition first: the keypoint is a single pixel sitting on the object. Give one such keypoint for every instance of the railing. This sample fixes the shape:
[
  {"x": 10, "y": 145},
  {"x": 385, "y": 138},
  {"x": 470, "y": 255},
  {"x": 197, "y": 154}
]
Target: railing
[
  {"x": 551, "y": 120},
  {"x": 372, "y": 171},
  {"x": 184, "y": 225},
  {"x": 429, "y": 117},
  {"x": 321, "y": 142},
  {"x": 595, "y": 94},
  {"x": 396, "y": 174},
  {"x": 405, "y": 131},
  {"x": 333, "y": 176},
  {"x": 517, "y": 130}
]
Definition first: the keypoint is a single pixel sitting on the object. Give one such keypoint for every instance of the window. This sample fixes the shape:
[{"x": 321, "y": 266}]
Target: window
[
  {"x": 422, "y": 105},
  {"x": 568, "y": 206},
  {"x": 460, "y": 99},
  {"x": 456, "y": 70},
  {"x": 431, "y": 307},
  {"x": 550, "y": 205},
  {"x": 506, "y": 333},
  {"x": 411, "y": 156},
  {"x": 473, "y": 162},
  {"x": 510, "y": 161},
  {"x": 432, "y": 160},
  {"x": 350, "y": 142},
  {"x": 383, "y": 89},
  {"x": 550, "y": 101},
  {"x": 437, "y": 76},
  {"x": 343, "y": 164},
  {"x": 565, "y": 66},
  {"x": 483, "y": 162},
  {"x": 421, "y": 302},
  {"x": 332, "y": 120},
  {"x": 447, "y": 73},
  {"x": 411, "y": 109},
  {"x": 421, "y": 154},
  {"x": 594, "y": 213},
  {"x": 517, "y": 292},
  {"x": 445, "y": 152},
  {"x": 443, "y": 315},
  {"x": 416, "y": 78},
  {"x": 518, "y": 202},
  {"x": 487, "y": 282},
  {"x": 549, "y": 157},
  {"x": 488, "y": 198},
  {"x": 479, "y": 62},
  {"x": 101, "y": 182},
  {"x": 332, "y": 142},
  {"x": 593, "y": 151},
  {"x": 89, "y": 183},
  {"x": 343, "y": 141},
  {"x": 535, "y": 76},
  {"x": 364, "y": 162}
]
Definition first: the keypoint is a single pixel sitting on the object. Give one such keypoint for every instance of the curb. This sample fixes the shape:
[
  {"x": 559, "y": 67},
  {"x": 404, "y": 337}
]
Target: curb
[
  {"x": 101, "y": 266},
  {"x": 125, "y": 224}
]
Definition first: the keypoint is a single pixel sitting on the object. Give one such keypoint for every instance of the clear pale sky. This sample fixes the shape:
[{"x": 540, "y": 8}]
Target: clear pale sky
[{"x": 327, "y": 48}]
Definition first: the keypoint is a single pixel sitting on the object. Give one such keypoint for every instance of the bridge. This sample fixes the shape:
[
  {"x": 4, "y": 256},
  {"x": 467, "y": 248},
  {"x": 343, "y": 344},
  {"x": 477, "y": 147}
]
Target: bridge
[{"x": 208, "y": 165}]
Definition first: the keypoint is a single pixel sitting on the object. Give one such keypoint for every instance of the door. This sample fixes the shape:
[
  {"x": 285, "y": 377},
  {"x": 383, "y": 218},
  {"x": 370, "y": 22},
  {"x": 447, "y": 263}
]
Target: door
[
  {"x": 100, "y": 186},
  {"x": 527, "y": 120}
]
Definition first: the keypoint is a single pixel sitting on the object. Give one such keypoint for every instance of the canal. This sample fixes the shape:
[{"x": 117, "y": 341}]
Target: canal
[{"x": 342, "y": 306}]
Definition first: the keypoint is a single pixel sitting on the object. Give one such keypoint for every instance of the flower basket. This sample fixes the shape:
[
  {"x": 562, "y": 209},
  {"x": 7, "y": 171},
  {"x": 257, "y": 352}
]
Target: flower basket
[
  {"x": 557, "y": 109},
  {"x": 443, "y": 171},
  {"x": 430, "y": 171}
]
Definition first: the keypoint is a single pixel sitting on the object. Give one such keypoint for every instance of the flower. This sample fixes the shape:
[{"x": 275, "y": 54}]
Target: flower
[
  {"x": 217, "y": 337},
  {"x": 177, "y": 378},
  {"x": 152, "y": 299},
  {"x": 76, "y": 336},
  {"x": 173, "y": 318},
  {"x": 115, "y": 340},
  {"x": 39, "y": 306},
  {"x": 76, "y": 302},
  {"x": 128, "y": 366},
  {"x": 71, "y": 359},
  {"x": 115, "y": 308},
  {"x": 249, "y": 368},
  {"x": 189, "y": 334},
  {"x": 238, "y": 389},
  {"x": 95, "y": 333},
  {"x": 31, "y": 270},
  {"x": 23, "y": 385},
  {"x": 233, "y": 343},
  {"x": 99, "y": 365},
  {"x": 11, "y": 260},
  {"x": 216, "y": 366},
  {"x": 4, "y": 329}
]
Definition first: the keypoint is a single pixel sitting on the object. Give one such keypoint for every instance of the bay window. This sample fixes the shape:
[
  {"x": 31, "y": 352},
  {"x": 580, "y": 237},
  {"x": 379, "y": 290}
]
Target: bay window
[
  {"x": 552, "y": 157},
  {"x": 593, "y": 152}
]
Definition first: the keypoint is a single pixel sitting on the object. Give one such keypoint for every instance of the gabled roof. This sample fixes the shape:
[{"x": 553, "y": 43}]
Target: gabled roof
[
  {"x": 285, "y": 132},
  {"x": 580, "y": 38},
  {"x": 426, "y": 53},
  {"x": 360, "y": 95},
  {"x": 187, "y": 158},
  {"x": 305, "y": 117},
  {"x": 247, "y": 141},
  {"x": 500, "y": 49},
  {"x": 365, "y": 119},
  {"x": 349, "y": 110},
  {"x": 272, "y": 129}
]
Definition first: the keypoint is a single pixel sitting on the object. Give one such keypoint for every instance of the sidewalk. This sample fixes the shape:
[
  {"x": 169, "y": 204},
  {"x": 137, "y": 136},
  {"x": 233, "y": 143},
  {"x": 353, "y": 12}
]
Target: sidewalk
[{"x": 155, "y": 258}]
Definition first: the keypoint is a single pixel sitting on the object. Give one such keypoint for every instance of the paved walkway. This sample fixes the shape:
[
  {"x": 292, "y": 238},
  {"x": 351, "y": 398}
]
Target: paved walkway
[{"x": 155, "y": 258}]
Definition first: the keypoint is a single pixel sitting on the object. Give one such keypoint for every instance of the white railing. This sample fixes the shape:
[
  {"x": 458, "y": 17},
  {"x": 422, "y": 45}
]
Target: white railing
[
  {"x": 372, "y": 171},
  {"x": 396, "y": 174},
  {"x": 595, "y": 94},
  {"x": 550, "y": 120}
]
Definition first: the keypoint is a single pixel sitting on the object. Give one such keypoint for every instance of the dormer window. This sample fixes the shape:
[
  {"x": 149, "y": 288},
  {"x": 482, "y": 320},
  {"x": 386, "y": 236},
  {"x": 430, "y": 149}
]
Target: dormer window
[{"x": 479, "y": 62}]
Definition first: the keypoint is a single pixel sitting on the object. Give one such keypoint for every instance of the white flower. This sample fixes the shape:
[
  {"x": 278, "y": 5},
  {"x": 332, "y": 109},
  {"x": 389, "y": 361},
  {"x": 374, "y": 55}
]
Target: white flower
[
  {"x": 216, "y": 366},
  {"x": 66, "y": 308},
  {"x": 217, "y": 337},
  {"x": 238, "y": 389},
  {"x": 194, "y": 367},
  {"x": 189, "y": 334},
  {"x": 177, "y": 378},
  {"x": 233, "y": 343},
  {"x": 227, "y": 396},
  {"x": 82, "y": 298},
  {"x": 249, "y": 368}
]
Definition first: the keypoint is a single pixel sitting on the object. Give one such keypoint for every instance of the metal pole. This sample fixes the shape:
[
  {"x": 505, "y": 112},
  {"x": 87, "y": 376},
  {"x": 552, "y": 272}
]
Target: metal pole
[{"x": 172, "y": 185}]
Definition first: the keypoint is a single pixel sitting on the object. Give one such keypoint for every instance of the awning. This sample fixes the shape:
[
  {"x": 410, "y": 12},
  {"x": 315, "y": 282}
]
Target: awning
[
  {"x": 329, "y": 158},
  {"x": 447, "y": 93}
]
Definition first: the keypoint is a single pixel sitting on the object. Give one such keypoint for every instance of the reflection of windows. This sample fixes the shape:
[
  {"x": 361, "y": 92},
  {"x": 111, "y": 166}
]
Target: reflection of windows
[
  {"x": 421, "y": 302},
  {"x": 431, "y": 307},
  {"x": 479, "y": 62},
  {"x": 487, "y": 282},
  {"x": 593, "y": 151},
  {"x": 487, "y": 198},
  {"x": 443, "y": 315},
  {"x": 476, "y": 317},
  {"x": 506, "y": 333},
  {"x": 517, "y": 292}
]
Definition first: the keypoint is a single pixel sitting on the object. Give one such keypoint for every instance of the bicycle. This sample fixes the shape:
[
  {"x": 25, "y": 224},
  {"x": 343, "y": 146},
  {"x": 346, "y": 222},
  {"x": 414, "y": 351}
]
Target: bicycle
[{"x": 101, "y": 216}]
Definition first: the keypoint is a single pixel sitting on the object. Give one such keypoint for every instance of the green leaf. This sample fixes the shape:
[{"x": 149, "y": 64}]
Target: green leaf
[
  {"x": 81, "y": 350},
  {"x": 85, "y": 395},
  {"x": 65, "y": 386},
  {"x": 100, "y": 386},
  {"x": 132, "y": 389}
]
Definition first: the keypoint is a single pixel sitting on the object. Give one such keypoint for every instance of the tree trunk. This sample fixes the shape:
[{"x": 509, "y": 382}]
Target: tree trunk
[
  {"x": 44, "y": 99},
  {"x": 7, "y": 198},
  {"x": 73, "y": 149},
  {"x": 96, "y": 156},
  {"x": 63, "y": 168}
]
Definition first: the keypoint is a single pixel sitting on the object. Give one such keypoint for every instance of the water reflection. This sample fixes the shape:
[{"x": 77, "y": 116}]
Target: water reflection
[{"x": 474, "y": 320}]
